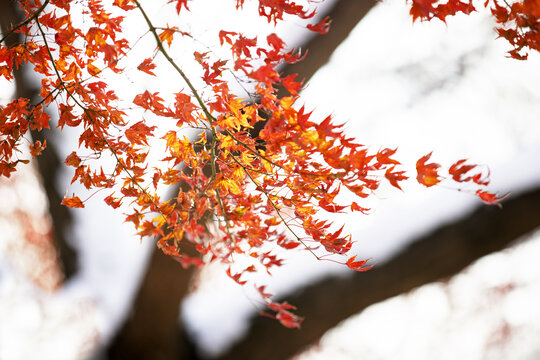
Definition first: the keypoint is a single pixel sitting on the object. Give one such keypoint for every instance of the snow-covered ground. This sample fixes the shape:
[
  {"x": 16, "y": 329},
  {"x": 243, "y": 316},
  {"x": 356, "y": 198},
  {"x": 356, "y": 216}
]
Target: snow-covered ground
[{"x": 423, "y": 87}]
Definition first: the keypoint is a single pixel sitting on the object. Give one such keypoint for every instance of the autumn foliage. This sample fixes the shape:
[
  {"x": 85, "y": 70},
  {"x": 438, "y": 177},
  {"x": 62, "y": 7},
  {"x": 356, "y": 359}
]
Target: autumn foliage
[
  {"x": 262, "y": 189},
  {"x": 518, "y": 21}
]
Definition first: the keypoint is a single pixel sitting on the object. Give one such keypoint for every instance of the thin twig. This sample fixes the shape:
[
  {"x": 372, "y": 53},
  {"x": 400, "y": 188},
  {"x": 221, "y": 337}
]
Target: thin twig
[
  {"x": 25, "y": 22},
  {"x": 87, "y": 112}
]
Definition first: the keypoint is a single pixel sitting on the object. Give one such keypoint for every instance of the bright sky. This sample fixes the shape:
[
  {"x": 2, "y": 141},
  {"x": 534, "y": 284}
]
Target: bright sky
[{"x": 421, "y": 87}]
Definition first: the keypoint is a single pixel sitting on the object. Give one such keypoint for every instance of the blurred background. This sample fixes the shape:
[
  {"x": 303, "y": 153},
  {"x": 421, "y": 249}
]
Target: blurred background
[{"x": 453, "y": 278}]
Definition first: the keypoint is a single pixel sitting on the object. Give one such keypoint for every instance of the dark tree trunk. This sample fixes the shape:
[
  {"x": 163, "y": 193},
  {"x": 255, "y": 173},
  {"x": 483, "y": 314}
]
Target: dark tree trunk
[
  {"x": 48, "y": 162},
  {"x": 345, "y": 14},
  {"x": 152, "y": 330}
]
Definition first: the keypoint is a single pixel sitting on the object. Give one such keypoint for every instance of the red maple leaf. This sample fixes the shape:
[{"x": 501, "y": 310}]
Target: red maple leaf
[
  {"x": 73, "y": 202},
  {"x": 138, "y": 133},
  {"x": 112, "y": 202},
  {"x": 147, "y": 66},
  {"x": 37, "y": 148},
  {"x": 322, "y": 27},
  {"x": 459, "y": 169},
  {"x": 427, "y": 173},
  {"x": 72, "y": 160},
  {"x": 358, "y": 265},
  {"x": 490, "y": 198},
  {"x": 180, "y": 4}
]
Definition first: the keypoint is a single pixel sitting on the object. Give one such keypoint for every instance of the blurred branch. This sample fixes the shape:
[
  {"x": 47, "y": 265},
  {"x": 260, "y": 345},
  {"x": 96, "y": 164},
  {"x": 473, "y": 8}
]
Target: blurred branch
[
  {"x": 345, "y": 15},
  {"x": 48, "y": 163},
  {"x": 152, "y": 330},
  {"x": 443, "y": 253}
]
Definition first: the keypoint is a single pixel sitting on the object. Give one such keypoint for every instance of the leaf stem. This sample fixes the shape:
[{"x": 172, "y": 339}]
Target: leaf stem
[{"x": 161, "y": 48}]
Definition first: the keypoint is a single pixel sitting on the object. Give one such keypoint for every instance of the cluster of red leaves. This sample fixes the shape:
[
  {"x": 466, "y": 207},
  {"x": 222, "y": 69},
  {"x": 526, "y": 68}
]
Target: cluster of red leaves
[
  {"x": 460, "y": 172},
  {"x": 520, "y": 25},
  {"x": 429, "y": 9},
  {"x": 519, "y": 21},
  {"x": 262, "y": 189}
]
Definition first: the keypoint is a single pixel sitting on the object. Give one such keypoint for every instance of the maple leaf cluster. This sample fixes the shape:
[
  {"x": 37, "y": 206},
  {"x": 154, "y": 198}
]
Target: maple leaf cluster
[
  {"x": 263, "y": 189},
  {"x": 519, "y": 21},
  {"x": 519, "y": 24}
]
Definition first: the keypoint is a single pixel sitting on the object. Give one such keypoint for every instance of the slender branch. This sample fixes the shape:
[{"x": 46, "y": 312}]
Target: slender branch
[
  {"x": 87, "y": 112},
  {"x": 25, "y": 22},
  {"x": 214, "y": 176},
  {"x": 30, "y": 115},
  {"x": 173, "y": 63},
  {"x": 203, "y": 106},
  {"x": 254, "y": 152},
  {"x": 276, "y": 209},
  {"x": 262, "y": 173}
]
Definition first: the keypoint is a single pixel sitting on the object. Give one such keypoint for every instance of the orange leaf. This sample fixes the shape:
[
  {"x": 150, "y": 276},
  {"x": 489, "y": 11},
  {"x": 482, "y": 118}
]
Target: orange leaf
[
  {"x": 331, "y": 207},
  {"x": 137, "y": 133},
  {"x": 358, "y": 265},
  {"x": 459, "y": 169},
  {"x": 92, "y": 70},
  {"x": 73, "y": 160},
  {"x": 124, "y": 4},
  {"x": 111, "y": 201},
  {"x": 490, "y": 198},
  {"x": 322, "y": 27},
  {"x": 427, "y": 173},
  {"x": 72, "y": 202},
  {"x": 395, "y": 177},
  {"x": 291, "y": 85},
  {"x": 37, "y": 148},
  {"x": 147, "y": 66},
  {"x": 356, "y": 207},
  {"x": 167, "y": 35},
  {"x": 41, "y": 119}
]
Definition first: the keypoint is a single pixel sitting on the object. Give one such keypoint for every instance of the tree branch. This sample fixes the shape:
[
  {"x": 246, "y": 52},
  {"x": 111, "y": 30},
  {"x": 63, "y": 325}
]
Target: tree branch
[
  {"x": 345, "y": 16},
  {"x": 432, "y": 257},
  {"x": 152, "y": 328}
]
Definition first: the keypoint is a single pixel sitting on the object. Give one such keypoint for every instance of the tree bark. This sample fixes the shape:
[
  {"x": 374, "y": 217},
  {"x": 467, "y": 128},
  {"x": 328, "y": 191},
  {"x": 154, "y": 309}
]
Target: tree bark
[
  {"x": 432, "y": 257},
  {"x": 151, "y": 330},
  {"x": 48, "y": 163}
]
